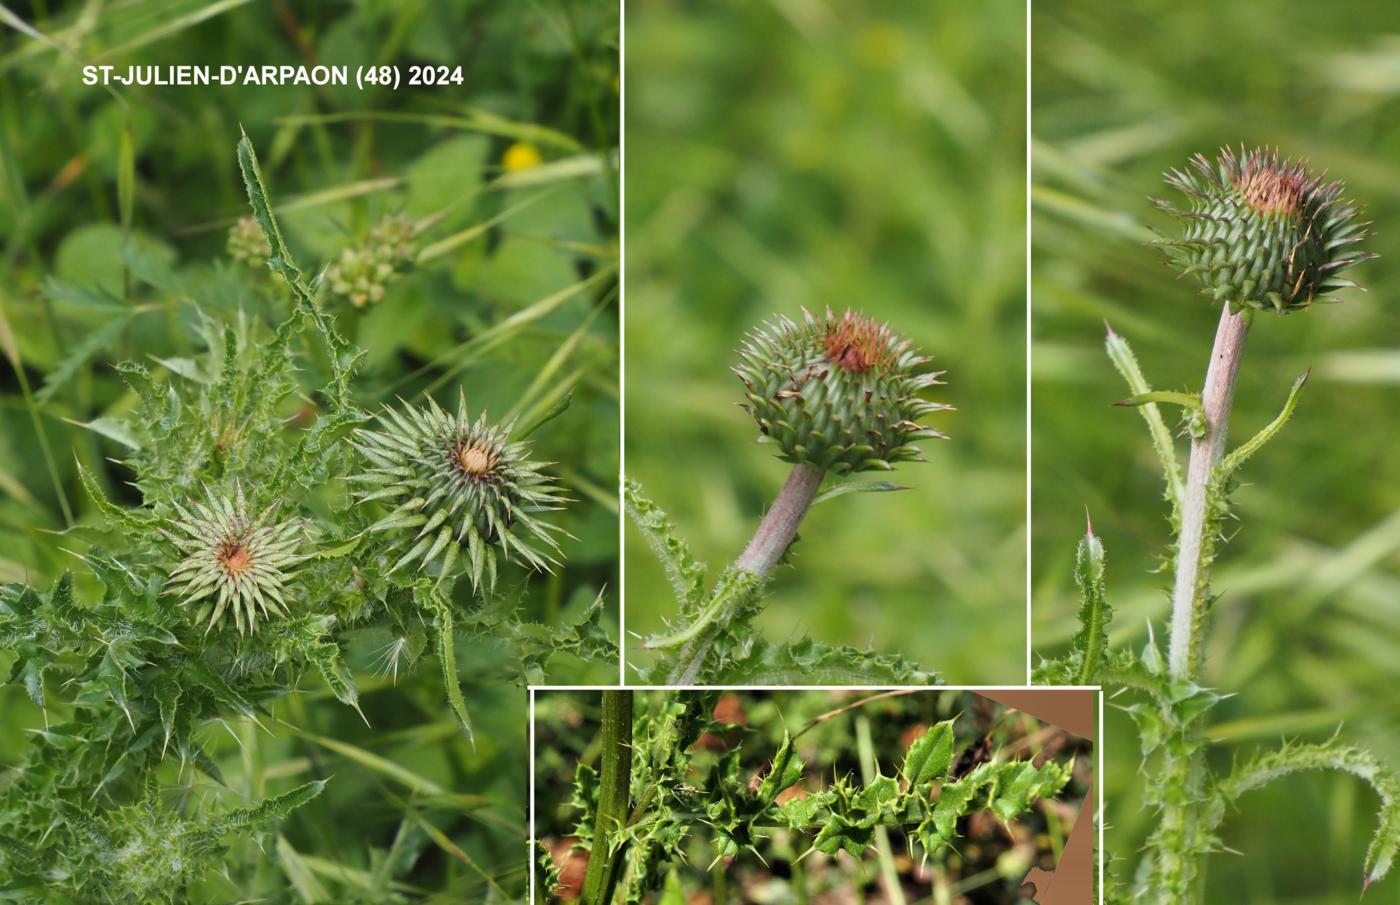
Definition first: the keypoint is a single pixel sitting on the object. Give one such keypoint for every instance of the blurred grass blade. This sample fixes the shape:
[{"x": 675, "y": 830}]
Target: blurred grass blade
[
  {"x": 558, "y": 406},
  {"x": 447, "y": 845},
  {"x": 555, "y": 171},
  {"x": 126, "y": 181},
  {"x": 556, "y": 362},
  {"x": 299, "y": 874},
  {"x": 374, "y": 762},
  {"x": 476, "y": 230},
  {"x": 11, "y": 350},
  {"x": 499, "y": 333},
  {"x": 173, "y": 27}
]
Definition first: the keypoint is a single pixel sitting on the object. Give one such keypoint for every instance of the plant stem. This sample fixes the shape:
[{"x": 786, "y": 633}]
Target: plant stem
[
  {"x": 779, "y": 526},
  {"x": 1188, "y": 603},
  {"x": 614, "y": 795},
  {"x": 772, "y": 539},
  {"x": 1179, "y": 844}
]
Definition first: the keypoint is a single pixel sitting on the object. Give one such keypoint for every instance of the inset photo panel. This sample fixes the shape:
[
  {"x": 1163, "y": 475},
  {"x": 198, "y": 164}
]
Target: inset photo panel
[
  {"x": 757, "y": 795},
  {"x": 824, "y": 343},
  {"x": 1214, "y": 486},
  {"x": 309, "y": 439}
]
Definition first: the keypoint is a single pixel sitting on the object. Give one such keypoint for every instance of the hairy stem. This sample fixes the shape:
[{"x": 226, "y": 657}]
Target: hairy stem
[
  {"x": 779, "y": 526},
  {"x": 614, "y": 793},
  {"x": 774, "y": 535},
  {"x": 1189, "y": 591},
  {"x": 1180, "y": 841}
]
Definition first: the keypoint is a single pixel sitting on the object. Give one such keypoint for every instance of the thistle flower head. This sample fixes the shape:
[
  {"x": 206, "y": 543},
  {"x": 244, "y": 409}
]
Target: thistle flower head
[
  {"x": 233, "y": 563},
  {"x": 247, "y": 244},
  {"x": 1263, "y": 232},
  {"x": 458, "y": 486},
  {"x": 840, "y": 393}
]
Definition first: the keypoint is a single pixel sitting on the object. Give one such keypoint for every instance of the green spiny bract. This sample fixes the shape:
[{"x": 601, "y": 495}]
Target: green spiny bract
[
  {"x": 1263, "y": 232},
  {"x": 840, "y": 393},
  {"x": 361, "y": 274},
  {"x": 459, "y": 483},
  {"x": 234, "y": 562}
]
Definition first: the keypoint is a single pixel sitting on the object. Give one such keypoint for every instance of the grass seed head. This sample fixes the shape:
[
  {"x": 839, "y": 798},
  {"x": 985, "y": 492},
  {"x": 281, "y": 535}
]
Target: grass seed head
[
  {"x": 234, "y": 565},
  {"x": 458, "y": 486},
  {"x": 1263, "y": 232},
  {"x": 841, "y": 393}
]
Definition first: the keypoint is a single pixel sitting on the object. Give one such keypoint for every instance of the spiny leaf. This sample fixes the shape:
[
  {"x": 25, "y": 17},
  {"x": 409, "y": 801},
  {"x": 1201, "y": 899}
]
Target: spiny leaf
[
  {"x": 930, "y": 755},
  {"x": 167, "y": 700},
  {"x": 813, "y": 662},
  {"x": 270, "y": 809},
  {"x": 282, "y": 264},
  {"x": 1090, "y": 643},
  {"x": 1125, "y": 362},
  {"x": 1237, "y": 458},
  {"x": 121, "y": 517},
  {"x": 686, "y": 574},
  {"x": 785, "y": 771},
  {"x": 1021, "y": 783},
  {"x": 326, "y": 656},
  {"x": 1331, "y": 755},
  {"x": 447, "y": 655}
]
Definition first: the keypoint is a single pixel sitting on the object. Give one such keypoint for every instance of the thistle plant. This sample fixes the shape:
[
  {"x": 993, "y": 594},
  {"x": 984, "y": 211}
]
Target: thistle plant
[
  {"x": 1261, "y": 234},
  {"x": 661, "y": 795},
  {"x": 240, "y": 579},
  {"x": 468, "y": 485},
  {"x": 837, "y": 395}
]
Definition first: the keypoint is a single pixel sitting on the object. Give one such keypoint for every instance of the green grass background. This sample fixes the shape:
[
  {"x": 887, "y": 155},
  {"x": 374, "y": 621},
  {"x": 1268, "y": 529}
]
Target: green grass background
[
  {"x": 1307, "y": 632},
  {"x": 792, "y": 154},
  {"x": 335, "y": 159}
]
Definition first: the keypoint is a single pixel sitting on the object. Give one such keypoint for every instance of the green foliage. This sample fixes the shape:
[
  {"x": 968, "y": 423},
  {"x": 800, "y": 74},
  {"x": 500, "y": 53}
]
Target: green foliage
[
  {"x": 1088, "y": 654},
  {"x": 1305, "y": 628},
  {"x": 717, "y": 641},
  {"x": 120, "y": 286},
  {"x": 1331, "y": 755},
  {"x": 678, "y": 793},
  {"x": 1170, "y": 714},
  {"x": 820, "y": 173},
  {"x": 145, "y": 675},
  {"x": 683, "y": 571}
]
